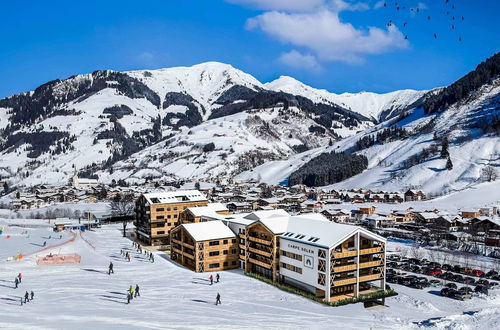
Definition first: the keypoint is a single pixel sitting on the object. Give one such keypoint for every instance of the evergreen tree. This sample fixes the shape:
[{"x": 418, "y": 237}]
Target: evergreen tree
[
  {"x": 449, "y": 164},
  {"x": 6, "y": 187},
  {"x": 444, "y": 148}
]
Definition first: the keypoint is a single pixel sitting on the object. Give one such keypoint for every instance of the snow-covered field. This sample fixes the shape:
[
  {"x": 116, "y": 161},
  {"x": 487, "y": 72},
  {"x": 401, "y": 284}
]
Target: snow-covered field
[{"x": 84, "y": 296}]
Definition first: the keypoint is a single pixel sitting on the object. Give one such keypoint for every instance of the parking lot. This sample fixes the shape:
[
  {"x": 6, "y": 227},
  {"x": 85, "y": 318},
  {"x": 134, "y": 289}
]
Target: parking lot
[{"x": 452, "y": 280}]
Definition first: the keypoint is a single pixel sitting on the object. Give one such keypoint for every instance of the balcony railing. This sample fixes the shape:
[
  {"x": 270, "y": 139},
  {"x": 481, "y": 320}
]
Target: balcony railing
[
  {"x": 190, "y": 246},
  {"x": 371, "y": 250},
  {"x": 347, "y": 254},
  {"x": 346, "y": 281},
  {"x": 259, "y": 240},
  {"x": 240, "y": 235},
  {"x": 372, "y": 277},
  {"x": 262, "y": 253},
  {"x": 374, "y": 263},
  {"x": 345, "y": 268},
  {"x": 260, "y": 263}
]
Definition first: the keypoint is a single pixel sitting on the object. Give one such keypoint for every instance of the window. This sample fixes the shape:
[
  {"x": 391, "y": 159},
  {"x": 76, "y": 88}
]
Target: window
[
  {"x": 214, "y": 253},
  {"x": 168, "y": 209},
  {"x": 290, "y": 267},
  {"x": 233, "y": 240},
  {"x": 160, "y": 209},
  {"x": 175, "y": 208},
  {"x": 225, "y": 241},
  {"x": 175, "y": 215},
  {"x": 233, "y": 262},
  {"x": 161, "y": 232},
  {"x": 226, "y": 251},
  {"x": 160, "y": 217},
  {"x": 169, "y": 224},
  {"x": 216, "y": 265},
  {"x": 213, "y": 243},
  {"x": 226, "y": 263},
  {"x": 233, "y": 251},
  {"x": 291, "y": 255}
]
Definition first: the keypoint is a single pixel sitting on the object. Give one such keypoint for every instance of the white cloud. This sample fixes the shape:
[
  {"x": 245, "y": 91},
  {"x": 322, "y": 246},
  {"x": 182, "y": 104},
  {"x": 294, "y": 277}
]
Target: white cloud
[
  {"x": 300, "y": 61},
  {"x": 379, "y": 4},
  {"x": 326, "y": 37}
]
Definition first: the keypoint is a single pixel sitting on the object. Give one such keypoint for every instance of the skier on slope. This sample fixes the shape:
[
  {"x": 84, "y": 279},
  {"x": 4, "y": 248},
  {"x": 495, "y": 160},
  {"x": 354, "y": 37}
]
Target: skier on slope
[
  {"x": 20, "y": 276},
  {"x": 32, "y": 295},
  {"x": 217, "y": 277},
  {"x": 131, "y": 292},
  {"x": 217, "y": 299},
  {"x": 110, "y": 268},
  {"x": 211, "y": 278},
  {"x": 26, "y": 297},
  {"x": 16, "y": 282},
  {"x": 137, "y": 291}
]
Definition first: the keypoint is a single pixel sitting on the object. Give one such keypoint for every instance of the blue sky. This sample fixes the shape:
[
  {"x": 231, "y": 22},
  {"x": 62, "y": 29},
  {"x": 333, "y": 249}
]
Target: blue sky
[{"x": 340, "y": 45}]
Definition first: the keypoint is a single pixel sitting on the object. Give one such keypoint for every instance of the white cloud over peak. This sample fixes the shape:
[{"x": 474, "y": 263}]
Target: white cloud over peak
[
  {"x": 297, "y": 60},
  {"x": 327, "y": 38}
]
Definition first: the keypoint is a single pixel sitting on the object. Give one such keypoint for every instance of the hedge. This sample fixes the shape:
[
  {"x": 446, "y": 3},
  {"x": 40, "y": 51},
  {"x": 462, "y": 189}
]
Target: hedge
[{"x": 346, "y": 301}]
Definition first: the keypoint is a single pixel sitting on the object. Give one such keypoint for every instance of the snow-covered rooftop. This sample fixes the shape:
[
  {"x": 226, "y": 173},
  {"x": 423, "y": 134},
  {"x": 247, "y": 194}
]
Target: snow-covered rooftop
[
  {"x": 174, "y": 197},
  {"x": 210, "y": 230}
]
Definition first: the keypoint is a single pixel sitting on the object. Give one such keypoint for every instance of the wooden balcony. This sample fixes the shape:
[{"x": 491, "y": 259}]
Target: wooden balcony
[
  {"x": 260, "y": 263},
  {"x": 183, "y": 244},
  {"x": 346, "y": 281},
  {"x": 262, "y": 253},
  {"x": 346, "y": 254},
  {"x": 372, "y": 277},
  {"x": 259, "y": 240},
  {"x": 371, "y": 250},
  {"x": 371, "y": 264},
  {"x": 346, "y": 268},
  {"x": 184, "y": 253},
  {"x": 241, "y": 246},
  {"x": 242, "y": 236}
]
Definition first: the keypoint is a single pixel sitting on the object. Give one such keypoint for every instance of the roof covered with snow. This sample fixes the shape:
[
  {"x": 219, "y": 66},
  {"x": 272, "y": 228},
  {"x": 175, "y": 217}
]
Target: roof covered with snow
[
  {"x": 178, "y": 196},
  {"x": 209, "y": 230}
]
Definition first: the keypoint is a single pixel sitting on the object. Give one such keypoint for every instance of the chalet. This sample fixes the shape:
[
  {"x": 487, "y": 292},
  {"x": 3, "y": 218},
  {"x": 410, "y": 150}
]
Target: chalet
[
  {"x": 194, "y": 214},
  {"x": 379, "y": 221},
  {"x": 336, "y": 215},
  {"x": 205, "y": 246},
  {"x": 470, "y": 214},
  {"x": 367, "y": 209},
  {"x": 414, "y": 195},
  {"x": 237, "y": 207},
  {"x": 444, "y": 224}
]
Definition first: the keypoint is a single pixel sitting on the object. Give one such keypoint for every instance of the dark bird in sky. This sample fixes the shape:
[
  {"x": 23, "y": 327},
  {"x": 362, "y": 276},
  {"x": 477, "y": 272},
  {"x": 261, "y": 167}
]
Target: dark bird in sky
[
  {"x": 463, "y": 18},
  {"x": 429, "y": 18},
  {"x": 453, "y": 27},
  {"x": 459, "y": 38},
  {"x": 406, "y": 37},
  {"x": 453, "y": 18},
  {"x": 404, "y": 24},
  {"x": 435, "y": 36}
]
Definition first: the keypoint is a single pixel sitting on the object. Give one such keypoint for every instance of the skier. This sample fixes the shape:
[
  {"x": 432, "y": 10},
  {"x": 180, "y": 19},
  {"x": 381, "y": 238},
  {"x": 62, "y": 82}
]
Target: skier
[
  {"x": 50, "y": 236},
  {"x": 217, "y": 299},
  {"x": 131, "y": 292},
  {"x": 110, "y": 268},
  {"x": 16, "y": 282},
  {"x": 137, "y": 291},
  {"x": 60, "y": 236},
  {"x": 128, "y": 297},
  {"x": 20, "y": 276},
  {"x": 217, "y": 277},
  {"x": 211, "y": 279},
  {"x": 128, "y": 257},
  {"x": 21, "y": 301},
  {"x": 45, "y": 243},
  {"x": 26, "y": 297},
  {"x": 152, "y": 258},
  {"x": 32, "y": 295}
]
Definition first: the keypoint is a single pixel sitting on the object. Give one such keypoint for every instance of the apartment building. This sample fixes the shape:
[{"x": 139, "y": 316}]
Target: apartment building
[
  {"x": 157, "y": 213},
  {"x": 194, "y": 214},
  {"x": 205, "y": 246}
]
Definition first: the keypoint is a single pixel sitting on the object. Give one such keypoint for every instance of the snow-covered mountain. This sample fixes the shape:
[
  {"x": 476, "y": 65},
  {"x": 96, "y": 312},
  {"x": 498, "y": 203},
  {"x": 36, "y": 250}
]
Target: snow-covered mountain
[
  {"x": 404, "y": 152},
  {"x": 213, "y": 121},
  {"x": 371, "y": 105}
]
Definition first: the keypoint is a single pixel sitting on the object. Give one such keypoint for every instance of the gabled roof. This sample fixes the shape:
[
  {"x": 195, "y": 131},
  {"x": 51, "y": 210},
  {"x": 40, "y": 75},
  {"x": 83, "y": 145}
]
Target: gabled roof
[
  {"x": 210, "y": 209},
  {"x": 209, "y": 230},
  {"x": 169, "y": 197}
]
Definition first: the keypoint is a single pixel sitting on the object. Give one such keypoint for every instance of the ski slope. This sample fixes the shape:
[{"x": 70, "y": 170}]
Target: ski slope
[{"x": 84, "y": 296}]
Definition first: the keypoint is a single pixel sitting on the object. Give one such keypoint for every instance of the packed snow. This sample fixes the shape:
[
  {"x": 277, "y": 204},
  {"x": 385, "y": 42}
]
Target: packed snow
[{"x": 84, "y": 296}]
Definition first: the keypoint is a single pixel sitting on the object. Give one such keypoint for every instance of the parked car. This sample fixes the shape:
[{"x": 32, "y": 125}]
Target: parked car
[
  {"x": 469, "y": 280},
  {"x": 435, "y": 282},
  {"x": 478, "y": 273},
  {"x": 446, "y": 267},
  {"x": 462, "y": 294},
  {"x": 447, "y": 292},
  {"x": 435, "y": 272},
  {"x": 491, "y": 273},
  {"x": 493, "y": 285},
  {"x": 451, "y": 286},
  {"x": 481, "y": 289},
  {"x": 457, "y": 278},
  {"x": 483, "y": 282}
]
